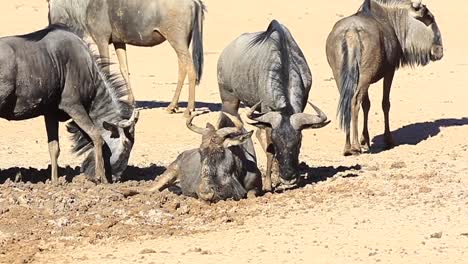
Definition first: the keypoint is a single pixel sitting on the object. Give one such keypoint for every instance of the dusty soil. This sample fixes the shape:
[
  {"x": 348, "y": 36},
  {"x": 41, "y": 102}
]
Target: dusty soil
[{"x": 405, "y": 205}]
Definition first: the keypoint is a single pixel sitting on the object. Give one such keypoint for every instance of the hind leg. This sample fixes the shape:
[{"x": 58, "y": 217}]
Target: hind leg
[
  {"x": 173, "y": 106},
  {"x": 186, "y": 67},
  {"x": 230, "y": 105},
  {"x": 388, "y": 79},
  {"x": 121, "y": 51},
  {"x": 365, "y": 140},
  {"x": 355, "y": 108}
]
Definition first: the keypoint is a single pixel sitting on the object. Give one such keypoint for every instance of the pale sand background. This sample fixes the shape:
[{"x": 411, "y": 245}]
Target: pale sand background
[{"x": 429, "y": 114}]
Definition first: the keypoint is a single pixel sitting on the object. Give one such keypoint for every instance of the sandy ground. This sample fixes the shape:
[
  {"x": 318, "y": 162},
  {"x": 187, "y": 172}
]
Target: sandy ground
[{"x": 406, "y": 205}]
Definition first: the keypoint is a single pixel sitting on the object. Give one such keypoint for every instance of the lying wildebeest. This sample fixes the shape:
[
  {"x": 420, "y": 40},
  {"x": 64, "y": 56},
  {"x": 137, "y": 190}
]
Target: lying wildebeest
[
  {"x": 52, "y": 73},
  {"x": 144, "y": 23},
  {"x": 221, "y": 168},
  {"x": 268, "y": 69},
  {"x": 371, "y": 45}
]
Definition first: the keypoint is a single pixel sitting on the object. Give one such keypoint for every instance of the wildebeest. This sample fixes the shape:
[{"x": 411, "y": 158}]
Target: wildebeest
[
  {"x": 52, "y": 73},
  {"x": 268, "y": 69},
  {"x": 221, "y": 168},
  {"x": 370, "y": 45},
  {"x": 141, "y": 23}
]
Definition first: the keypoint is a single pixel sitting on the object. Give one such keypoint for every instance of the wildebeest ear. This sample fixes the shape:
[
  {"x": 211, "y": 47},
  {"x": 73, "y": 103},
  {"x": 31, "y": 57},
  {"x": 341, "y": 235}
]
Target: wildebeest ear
[
  {"x": 112, "y": 128},
  {"x": 237, "y": 139},
  {"x": 72, "y": 127},
  {"x": 210, "y": 126}
]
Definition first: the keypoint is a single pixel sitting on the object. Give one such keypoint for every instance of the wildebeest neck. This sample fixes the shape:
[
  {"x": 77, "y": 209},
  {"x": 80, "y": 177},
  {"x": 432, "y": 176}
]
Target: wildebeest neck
[{"x": 416, "y": 40}]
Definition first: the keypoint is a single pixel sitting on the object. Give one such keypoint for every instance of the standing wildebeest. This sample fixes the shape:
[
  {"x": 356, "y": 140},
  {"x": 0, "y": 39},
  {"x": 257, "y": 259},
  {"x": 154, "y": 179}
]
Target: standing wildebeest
[
  {"x": 222, "y": 168},
  {"x": 144, "y": 23},
  {"x": 52, "y": 73},
  {"x": 269, "y": 68},
  {"x": 371, "y": 45}
]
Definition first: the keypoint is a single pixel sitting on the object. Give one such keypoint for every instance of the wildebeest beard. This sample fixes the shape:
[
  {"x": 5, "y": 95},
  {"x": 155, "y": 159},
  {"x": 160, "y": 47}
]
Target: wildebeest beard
[{"x": 221, "y": 169}]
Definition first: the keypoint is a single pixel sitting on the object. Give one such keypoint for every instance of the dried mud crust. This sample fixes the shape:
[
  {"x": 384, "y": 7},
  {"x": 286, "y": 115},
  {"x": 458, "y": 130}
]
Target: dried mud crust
[{"x": 37, "y": 218}]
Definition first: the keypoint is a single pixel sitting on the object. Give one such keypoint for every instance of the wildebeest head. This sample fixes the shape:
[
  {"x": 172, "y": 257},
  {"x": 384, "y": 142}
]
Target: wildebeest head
[
  {"x": 423, "y": 42},
  {"x": 120, "y": 142},
  {"x": 219, "y": 167},
  {"x": 286, "y": 136},
  {"x": 119, "y": 139}
]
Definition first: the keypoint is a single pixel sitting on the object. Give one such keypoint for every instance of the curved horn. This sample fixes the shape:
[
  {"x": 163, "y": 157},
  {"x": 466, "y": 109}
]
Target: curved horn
[
  {"x": 301, "y": 121},
  {"x": 193, "y": 127},
  {"x": 131, "y": 120},
  {"x": 272, "y": 118},
  {"x": 223, "y": 132},
  {"x": 416, "y": 3},
  {"x": 251, "y": 113}
]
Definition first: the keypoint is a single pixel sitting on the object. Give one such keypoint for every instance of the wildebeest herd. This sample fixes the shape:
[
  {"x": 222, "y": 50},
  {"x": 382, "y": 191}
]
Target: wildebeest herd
[{"x": 53, "y": 73}]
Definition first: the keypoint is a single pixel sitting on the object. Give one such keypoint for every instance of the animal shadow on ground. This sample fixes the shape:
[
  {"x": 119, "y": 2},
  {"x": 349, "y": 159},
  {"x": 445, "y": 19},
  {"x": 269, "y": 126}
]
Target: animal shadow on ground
[
  {"x": 156, "y": 104},
  {"x": 133, "y": 173},
  {"x": 319, "y": 174},
  {"x": 34, "y": 175},
  {"x": 416, "y": 133}
]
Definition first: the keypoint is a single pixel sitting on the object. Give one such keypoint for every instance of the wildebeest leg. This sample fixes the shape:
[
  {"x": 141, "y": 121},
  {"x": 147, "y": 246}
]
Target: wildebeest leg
[
  {"x": 366, "y": 104},
  {"x": 230, "y": 106},
  {"x": 52, "y": 125},
  {"x": 103, "y": 47},
  {"x": 173, "y": 107},
  {"x": 121, "y": 51},
  {"x": 165, "y": 180},
  {"x": 355, "y": 107},
  {"x": 388, "y": 79},
  {"x": 181, "y": 47},
  {"x": 264, "y": 137},
  {"x": 82, "y": 119}
]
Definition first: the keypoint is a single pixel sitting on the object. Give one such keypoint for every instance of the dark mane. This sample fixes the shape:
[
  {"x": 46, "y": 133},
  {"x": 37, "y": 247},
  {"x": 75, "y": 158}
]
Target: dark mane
[
  {"x": 282, "y": 47},
  {"x": 39, "y": 35},
  {"x": 365, "y": 8}
]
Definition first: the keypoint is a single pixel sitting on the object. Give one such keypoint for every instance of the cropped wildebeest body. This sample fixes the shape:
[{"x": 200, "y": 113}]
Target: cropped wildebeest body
[
  {"x": 141, "y": 23},
  {"x": 268, "y": 69},
  {"x": 370, "y": 45},
  {"x": 223, "y": 167},
  {"x": 52, "y": 73}
]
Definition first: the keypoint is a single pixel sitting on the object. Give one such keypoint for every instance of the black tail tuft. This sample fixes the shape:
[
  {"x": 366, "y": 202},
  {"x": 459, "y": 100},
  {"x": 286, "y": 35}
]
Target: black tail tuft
[
  {"x": 348, "y": 83},
  {"x": 197, "y": 39}
]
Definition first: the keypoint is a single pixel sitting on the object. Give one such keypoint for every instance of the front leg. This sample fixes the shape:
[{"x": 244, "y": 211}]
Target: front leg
[
  {"x": 165, "y": 180},
  {"x": 388, "y": 79},
  {"x": 265, "y": 141},
  {"x": 52, "y": 125},
  {"x": 80, "y": 116}
]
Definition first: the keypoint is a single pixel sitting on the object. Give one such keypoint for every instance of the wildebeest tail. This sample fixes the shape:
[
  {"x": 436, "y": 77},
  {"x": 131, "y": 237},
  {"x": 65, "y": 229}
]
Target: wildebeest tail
[
  {"x": 197, "y": 39},
  {"x": 349, "y": 78}
]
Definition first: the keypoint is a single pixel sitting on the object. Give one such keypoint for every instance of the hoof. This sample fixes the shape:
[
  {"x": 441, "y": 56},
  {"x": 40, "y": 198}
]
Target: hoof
[
  {"x": 251, "y": 194},
  {"x": 365, "y": 147},
  {"x": 171, "y": 109},
  {"x": 267, "y": 188},
  {"x": 188, "y": 113},
  {"x": 352, "y": 152}
]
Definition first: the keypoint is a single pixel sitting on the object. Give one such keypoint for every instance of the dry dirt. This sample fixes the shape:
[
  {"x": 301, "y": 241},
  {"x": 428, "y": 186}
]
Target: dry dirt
[{"x": 405, "y": 205}]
